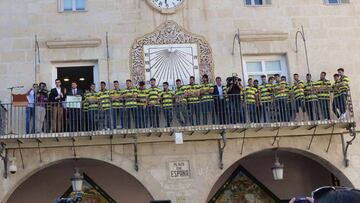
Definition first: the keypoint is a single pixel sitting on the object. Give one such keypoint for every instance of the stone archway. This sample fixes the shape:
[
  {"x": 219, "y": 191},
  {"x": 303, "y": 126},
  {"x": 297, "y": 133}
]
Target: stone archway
[
  {"x": 304, "y": 172},
  {"x": 180, "y": 43},
  {"x": 55, "y": 180}
]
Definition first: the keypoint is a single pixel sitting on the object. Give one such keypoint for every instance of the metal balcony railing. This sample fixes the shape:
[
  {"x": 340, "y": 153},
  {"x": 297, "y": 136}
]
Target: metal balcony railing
[{"x": 93, "y": 116}]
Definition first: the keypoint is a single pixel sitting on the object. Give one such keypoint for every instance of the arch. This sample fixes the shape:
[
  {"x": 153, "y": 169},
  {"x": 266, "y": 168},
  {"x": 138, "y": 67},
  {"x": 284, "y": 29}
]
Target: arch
[
  {"x": 54, "y": 156},
  {"x": 297, "y": 154},
  {"x": 110, "y": 178}
]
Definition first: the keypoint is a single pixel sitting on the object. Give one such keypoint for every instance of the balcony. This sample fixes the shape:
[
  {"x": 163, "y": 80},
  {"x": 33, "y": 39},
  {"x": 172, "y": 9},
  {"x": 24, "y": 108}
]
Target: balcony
[
  {"x": 51, "y": 125},
  {"x": 54, "y": 120}
]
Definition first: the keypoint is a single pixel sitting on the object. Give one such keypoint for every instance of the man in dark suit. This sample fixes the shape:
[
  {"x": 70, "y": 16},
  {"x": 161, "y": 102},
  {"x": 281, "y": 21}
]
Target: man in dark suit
[
  {"x": 220, "y": 95},
  {"x": 74, "y": 112},
  {"x": 75, "y": 91},
  {"x": 56, "y": 97}
]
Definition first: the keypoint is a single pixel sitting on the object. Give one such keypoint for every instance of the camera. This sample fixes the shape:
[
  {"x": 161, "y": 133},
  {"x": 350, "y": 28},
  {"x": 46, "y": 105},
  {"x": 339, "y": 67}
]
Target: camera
[
  {"x": 233, "y": 84},
  {"x": 231, "y": 80},
  {"x": 12, "y": 165},
  {"x": 42, "y": 88}
]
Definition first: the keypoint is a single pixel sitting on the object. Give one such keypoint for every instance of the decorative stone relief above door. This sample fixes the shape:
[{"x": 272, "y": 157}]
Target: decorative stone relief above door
[{"x": 169, "y": 53}]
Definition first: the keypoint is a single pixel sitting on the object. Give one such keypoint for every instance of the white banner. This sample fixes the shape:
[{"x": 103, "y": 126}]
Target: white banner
[{"x": 73, "y": 102}]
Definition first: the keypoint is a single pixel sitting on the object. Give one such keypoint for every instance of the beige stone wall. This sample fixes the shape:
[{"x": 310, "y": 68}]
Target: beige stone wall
[
  {"x": 332, "y": 33},
  {"x": 203, "y": 157}
]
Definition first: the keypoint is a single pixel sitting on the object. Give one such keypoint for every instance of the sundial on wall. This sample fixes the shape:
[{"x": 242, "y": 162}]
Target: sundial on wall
[
  {"x": 169, "y": 53},
  {"x": 168, "y": 62}
]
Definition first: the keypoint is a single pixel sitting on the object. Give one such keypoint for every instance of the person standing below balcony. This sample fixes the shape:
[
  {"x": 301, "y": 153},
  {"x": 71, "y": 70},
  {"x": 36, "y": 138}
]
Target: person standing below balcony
[
  {"x": 40, "y": 107},
  {"x": 192, "y": 94},
  {"x": 142, "y": 102},
  {"x": 74, "y": 114},
  {"x": 220, "y": 95},
  {"x": 105, "y": 107},
  {"x": 281, "y": 92},
  {"x": 167, "y": 100},
  {"x": 181, "y": 103},
  {"x": 207, "y": 100},
  {"x": 154, "y": 104},
  {"x": 117, "y": 105},
  {"x": 57, "y": 97},
  {"x": 130, "y": 96},
  {"x": 298, "y": 91},
  {"x": 250, "y": 99},
  {"x": 324, "y": 88},
  {"x": 344, "y": 86},
  {"x": 311, "y": 98},
  {"x": 265, "y": 99},
  {"x": 30, "y": 112},
  {"x": 91, "y": 104}
]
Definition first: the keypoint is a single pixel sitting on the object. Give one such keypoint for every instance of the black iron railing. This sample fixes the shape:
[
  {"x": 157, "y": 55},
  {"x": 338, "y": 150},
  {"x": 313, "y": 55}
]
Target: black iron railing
[{"x": 220, "y": 110}]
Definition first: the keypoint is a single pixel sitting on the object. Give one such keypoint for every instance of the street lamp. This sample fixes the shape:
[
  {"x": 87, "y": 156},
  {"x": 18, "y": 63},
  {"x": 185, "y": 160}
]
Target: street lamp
[
  {"x": 76, "y": 183},
  {"x": 277, "y": 169}
]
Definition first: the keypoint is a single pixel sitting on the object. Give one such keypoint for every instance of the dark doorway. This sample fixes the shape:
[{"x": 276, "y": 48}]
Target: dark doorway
[{"x": 83, "y": 76}]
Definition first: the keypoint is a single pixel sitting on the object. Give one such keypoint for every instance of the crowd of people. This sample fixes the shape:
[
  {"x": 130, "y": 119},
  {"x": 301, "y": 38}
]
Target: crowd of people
[{"x": 272, "y": 99}]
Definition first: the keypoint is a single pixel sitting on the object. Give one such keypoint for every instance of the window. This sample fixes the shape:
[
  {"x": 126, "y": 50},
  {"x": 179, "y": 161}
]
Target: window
[
  {"x": 256, "y": 66},
  {"x": 257, "y": 2},
  {"x": 337, "y": 1},
  {"x": 72, "y": 5}
]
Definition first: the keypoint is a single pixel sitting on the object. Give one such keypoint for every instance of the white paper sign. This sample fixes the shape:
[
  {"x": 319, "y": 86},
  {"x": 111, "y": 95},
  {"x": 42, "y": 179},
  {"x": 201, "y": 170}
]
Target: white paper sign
[
  {"x": 73, "y": 102},
  {"x": 179, "y": 138},
  {"x": 179, "y": 170}
]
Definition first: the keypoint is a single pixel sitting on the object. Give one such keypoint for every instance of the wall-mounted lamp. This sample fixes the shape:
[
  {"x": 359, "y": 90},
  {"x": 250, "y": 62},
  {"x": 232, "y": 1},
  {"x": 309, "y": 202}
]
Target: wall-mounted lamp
[{"x": 277, "y": 169}]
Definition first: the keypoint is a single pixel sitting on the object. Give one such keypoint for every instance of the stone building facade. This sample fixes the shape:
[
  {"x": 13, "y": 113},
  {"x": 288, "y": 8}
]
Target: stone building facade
[{"x": 267, "y": 32}]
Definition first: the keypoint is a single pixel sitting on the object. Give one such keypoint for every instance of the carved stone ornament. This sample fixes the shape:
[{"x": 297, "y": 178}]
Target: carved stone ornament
[{"x": 170, "y": 33}]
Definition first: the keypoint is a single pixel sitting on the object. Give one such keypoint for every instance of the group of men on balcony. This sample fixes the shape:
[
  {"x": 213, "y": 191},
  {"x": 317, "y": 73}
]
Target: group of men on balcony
[
  {"x": 45, "y": 110},
  {"x": 274, "y": 100}
]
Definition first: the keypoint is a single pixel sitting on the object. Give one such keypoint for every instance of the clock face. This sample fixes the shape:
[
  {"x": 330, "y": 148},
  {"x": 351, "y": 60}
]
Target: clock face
[{"x": 167, "y": 4}]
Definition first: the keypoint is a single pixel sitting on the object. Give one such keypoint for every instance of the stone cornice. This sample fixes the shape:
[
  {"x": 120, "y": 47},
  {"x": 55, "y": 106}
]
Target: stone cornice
[
  {"x": 62, "y": 44},
  {"x": 250, "y": 37}
]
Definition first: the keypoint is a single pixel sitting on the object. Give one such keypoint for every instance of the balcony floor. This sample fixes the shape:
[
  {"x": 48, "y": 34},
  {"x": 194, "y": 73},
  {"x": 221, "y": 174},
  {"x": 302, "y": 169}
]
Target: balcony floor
[{"x": 191, "y": 133}]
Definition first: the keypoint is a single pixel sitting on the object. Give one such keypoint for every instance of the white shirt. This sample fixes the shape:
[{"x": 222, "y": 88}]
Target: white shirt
[
  {"x": 221, "y": 93},
  {"x": 74, "y": 91},
  {"x": 31, "y": 98},
  {"x": 58, "y": 89}
]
